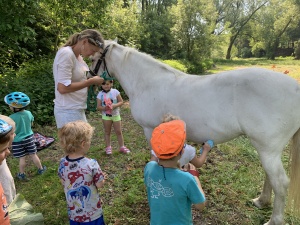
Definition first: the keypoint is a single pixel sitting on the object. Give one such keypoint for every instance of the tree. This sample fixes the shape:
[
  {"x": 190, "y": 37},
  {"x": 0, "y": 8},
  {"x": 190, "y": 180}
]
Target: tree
[
  {"x": 123, "y": 22},
  {"x": 156, "y": 22},
  {"x": 17, "y": 37},
  {"x": 192, "y": 29},
  {"x": 274, "y": 22}
]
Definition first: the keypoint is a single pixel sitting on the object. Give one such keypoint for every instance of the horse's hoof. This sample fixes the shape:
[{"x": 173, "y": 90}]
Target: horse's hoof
[
  {"x": 259, "y": 204},
  {"x": 273, "y": 223}
]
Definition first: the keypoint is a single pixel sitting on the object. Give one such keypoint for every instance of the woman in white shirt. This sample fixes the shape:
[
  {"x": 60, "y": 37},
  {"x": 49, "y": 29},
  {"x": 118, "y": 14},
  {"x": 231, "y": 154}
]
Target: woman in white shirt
[{"x": 69, "y": 70}]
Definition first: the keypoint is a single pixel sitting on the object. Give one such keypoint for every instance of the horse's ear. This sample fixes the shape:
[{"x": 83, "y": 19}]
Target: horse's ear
[{"x": 116, "y": 40}]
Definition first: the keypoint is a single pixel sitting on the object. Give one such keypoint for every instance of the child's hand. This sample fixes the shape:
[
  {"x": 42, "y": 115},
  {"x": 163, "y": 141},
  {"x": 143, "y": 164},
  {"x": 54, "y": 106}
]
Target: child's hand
[
  {"x": 191, "y": 167},
  {"x": 207, "y": 146},
  {"x": 107, "y": 107},
  {"x": 186, "y": 167}
]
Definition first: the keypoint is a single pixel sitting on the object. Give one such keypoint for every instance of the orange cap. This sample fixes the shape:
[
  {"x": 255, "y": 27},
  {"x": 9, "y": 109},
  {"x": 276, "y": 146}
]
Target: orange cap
[{"x": 168, "y": 139}]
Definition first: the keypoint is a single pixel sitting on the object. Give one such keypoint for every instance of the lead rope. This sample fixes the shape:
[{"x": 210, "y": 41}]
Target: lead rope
[{"x": 92, "y": 99}]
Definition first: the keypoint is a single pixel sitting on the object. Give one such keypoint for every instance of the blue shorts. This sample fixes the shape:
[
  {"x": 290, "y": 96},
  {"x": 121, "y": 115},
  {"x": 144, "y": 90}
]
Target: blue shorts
[
  {"x": 99, "y": 221},
  {"x": 24, "y": 147}
]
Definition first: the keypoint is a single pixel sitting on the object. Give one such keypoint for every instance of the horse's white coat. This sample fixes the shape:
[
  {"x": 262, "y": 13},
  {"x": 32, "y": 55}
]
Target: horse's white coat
[{"x": 259, "y": 103}]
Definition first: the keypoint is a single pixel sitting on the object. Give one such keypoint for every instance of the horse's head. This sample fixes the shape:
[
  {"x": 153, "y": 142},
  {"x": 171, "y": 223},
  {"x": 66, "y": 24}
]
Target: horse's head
[{"x": 98, "y": 65}]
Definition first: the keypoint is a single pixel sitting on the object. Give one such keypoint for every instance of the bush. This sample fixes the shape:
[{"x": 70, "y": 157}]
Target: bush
[
  {"x": 199, "y": 67},
  {"x": 297, "y": 51},
  {"x": 34, "y": 78},
  {"x": 176, "y": 64}
]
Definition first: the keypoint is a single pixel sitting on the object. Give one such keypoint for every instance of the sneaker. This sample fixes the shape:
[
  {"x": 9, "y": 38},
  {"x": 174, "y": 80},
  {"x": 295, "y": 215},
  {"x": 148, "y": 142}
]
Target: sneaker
[
  {"x": 22, "y": 177},
  {"x": 108, "y": 150},
  {"x": 124, "y": 150},
  {"x": 41, "y": 171}
]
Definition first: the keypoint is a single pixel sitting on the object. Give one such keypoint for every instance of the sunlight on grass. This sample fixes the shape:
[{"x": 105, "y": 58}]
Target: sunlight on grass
[{"x": 287, "y": 65}]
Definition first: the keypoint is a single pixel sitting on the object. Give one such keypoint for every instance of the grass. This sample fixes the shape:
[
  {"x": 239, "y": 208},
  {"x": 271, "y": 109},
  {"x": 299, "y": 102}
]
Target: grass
[{"x": 231, "y": 176}]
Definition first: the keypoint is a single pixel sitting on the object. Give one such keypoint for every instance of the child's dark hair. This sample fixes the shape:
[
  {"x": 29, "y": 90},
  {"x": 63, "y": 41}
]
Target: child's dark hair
[{"x": 104, "y": 82}]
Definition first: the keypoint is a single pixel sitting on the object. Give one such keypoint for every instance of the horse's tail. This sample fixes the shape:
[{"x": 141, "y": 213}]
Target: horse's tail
[{"x": 294, "y": 187}]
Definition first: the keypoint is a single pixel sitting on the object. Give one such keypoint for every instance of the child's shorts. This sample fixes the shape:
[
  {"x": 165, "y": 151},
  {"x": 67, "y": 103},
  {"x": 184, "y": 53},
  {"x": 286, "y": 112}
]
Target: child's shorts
[
  {"x": 113, "y": 118},
  {"x": 99, "y": 221},
  {"x": 24, "y": 147}
]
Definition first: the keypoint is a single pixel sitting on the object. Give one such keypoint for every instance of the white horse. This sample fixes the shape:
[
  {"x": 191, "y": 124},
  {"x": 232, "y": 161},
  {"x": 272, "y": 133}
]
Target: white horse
[{"x": 259, "y": 103}]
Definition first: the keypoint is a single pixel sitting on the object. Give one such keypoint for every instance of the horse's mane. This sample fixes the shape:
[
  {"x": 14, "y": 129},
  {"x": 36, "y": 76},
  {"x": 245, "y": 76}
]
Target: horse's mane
[{"x": 150, "y": 59}]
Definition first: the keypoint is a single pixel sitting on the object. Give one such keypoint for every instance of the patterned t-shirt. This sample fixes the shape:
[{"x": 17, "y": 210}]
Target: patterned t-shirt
[
  {"x": 109, "y": 97},
  {"x": 79, "y": 177}
]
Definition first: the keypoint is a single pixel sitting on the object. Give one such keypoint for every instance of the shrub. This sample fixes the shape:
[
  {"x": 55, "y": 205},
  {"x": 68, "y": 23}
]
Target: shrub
[
  {"x": 34, "y": 78},
  {"x": 176, "y": 64}
]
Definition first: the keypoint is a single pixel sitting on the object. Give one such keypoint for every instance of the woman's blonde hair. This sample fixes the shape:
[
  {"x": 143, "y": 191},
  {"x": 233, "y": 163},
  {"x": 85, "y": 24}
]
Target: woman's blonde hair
[
  {"x": 93, "y": 36},
  {"x": 73, "y": 134}
]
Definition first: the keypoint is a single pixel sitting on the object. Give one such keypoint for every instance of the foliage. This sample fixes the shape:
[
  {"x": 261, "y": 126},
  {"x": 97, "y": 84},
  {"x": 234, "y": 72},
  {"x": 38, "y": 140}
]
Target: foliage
[
  {"x": 199, "y": 67},
  {"x": 297, "y": 51},
  {"x": 124, "y": 24},
  {"x": 191, "y": 31},
  {"x": 36, "y": 80},
  {"x": 156, "y": 37},
  {"x": 274, "y": 22},
  {"x": 176, "y": 64},
  {"x": 17, "y": 35}
]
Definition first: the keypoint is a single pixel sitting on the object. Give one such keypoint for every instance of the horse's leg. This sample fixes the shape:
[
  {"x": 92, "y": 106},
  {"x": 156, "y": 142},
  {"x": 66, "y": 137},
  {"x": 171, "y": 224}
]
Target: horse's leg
[
  {"x": 264, "y": 200},
  {"x": 277, "y": 180},
  {"x": 148, "y": 134}
]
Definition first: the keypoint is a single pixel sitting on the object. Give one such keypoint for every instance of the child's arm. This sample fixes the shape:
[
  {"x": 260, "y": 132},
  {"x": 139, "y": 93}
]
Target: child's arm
[
  {"x": 198, "y": 161},
  {"x": 99, "y": 105},
  {"x": 100, "y": 184},
  {"x": 119, "y": 103},
  {"x": 199, "y": 206}
]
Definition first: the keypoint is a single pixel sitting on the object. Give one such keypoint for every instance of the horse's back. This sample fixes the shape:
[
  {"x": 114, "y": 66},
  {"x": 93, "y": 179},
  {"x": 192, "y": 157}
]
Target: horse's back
[{"x": 246, "y": 101}]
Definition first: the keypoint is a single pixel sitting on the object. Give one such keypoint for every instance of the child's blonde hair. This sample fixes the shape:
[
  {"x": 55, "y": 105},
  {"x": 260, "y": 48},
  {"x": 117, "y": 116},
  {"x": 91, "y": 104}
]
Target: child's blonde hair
[
  {"x": 169, "y": 117},
  {"x": 73, "y": 134}
]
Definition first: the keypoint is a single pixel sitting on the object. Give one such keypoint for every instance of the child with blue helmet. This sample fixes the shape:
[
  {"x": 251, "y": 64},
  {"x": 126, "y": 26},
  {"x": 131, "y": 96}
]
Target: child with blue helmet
[
  {"x": 6, "y": 136},
  {"x": 6, "y": 179},
  {"x": 23, "y": 143}
]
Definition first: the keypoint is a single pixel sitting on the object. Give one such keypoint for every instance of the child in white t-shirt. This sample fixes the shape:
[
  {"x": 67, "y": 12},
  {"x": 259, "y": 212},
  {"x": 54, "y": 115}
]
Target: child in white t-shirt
[
  {"x": 189, "y": 154},
  {"x": 109, "y": 101}
]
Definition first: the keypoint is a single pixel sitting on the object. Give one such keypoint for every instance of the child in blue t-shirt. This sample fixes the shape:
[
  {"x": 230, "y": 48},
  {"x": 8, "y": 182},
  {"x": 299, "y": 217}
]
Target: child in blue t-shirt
[
  {"x": 170, "y": 190},
  {"x": 23, "y": 143}
]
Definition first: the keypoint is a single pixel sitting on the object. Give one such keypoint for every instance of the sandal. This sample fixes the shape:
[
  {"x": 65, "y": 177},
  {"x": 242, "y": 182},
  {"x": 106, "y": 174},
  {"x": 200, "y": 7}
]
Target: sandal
[
  {"x": 108, "y": 150},
  {"x": 124, "y": 150}
]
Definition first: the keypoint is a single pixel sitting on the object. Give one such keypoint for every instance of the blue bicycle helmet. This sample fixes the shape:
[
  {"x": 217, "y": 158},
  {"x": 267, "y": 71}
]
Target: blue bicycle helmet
[
  {"x": 17, "y": 100},
  {"x": 5, "y": 128}
]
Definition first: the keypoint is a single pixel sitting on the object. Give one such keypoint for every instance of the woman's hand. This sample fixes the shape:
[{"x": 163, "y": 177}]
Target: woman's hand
[{"x": 96, "y": 80}]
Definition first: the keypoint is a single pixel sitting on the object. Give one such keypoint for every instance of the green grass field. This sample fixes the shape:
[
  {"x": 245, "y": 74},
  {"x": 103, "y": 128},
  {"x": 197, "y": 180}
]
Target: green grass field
[{"x": 231, "y": 177}]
